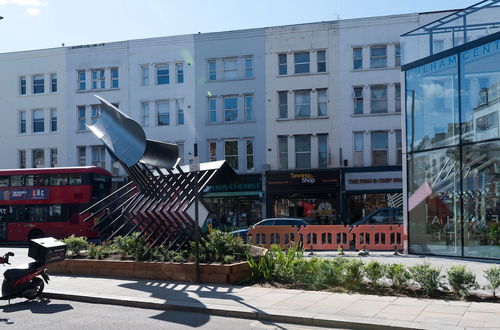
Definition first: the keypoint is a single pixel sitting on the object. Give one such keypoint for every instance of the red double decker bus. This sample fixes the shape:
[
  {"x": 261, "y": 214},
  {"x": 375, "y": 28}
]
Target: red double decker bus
[{"x": 40, "y": 202}]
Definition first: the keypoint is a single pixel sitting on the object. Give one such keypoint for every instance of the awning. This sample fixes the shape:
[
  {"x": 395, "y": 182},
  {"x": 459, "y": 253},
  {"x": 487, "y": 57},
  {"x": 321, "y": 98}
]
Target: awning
[{"x": 233, "y": 194}]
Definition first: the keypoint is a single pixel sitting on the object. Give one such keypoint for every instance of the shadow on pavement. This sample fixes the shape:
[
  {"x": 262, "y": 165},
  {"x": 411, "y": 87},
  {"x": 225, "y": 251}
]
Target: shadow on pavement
[{"x": 42, "y": 306}]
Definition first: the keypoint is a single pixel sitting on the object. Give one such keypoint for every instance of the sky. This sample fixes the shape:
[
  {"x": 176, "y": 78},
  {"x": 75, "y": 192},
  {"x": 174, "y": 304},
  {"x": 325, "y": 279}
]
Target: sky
[{"x": 37, "y": 24}]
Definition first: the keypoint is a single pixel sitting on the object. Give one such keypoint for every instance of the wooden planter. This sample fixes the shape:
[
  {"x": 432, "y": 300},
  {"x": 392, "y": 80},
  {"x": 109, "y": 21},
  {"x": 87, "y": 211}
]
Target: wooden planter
[{"x": 164, "y": 271}]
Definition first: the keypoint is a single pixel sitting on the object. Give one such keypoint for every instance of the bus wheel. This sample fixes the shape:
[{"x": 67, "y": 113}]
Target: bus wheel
[{"x": 35, "y": 233}]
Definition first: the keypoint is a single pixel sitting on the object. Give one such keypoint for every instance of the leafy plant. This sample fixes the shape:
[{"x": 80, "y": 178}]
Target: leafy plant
[
  {"x": 399, "y": 275},
  {"x": 262, "y": 268},
  {"x": 76, "y": 244},
  {"x": 428, "y": 278},
  {"x": 284, "y": 262},
  {"x": 492, "y": 275},
  {"x": 332, "y": 271},
  {"x": 219, "y": 244},
  {"x": 461, "y": 280},
  {"x": 228, "y": 259},
  {"x": 353, "y": 273},
  {"x": 130, "y": 246},
  {"x": 374, "y": 271},
  {"x": 98, "y": 252}
]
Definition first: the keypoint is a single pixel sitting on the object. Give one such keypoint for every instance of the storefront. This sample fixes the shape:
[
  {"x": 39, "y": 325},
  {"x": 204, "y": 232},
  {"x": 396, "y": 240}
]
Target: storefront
[
  {"x": 312, "y": 194},
  {"x": 235, "y": 205},
  {"x": 368, "y": 189}
]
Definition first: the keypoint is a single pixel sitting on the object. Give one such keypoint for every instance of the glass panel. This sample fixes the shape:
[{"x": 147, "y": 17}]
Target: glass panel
[
  {"x": 322, "y": 150},
  {"x": 230, "y": 109},
  {"x": 302, "y": 151},
  {"x": 163, "y": 113},
  {"x": 301, "y": 62},
  {"x": 282, "y": 64},
  {"x": 378, "y": 99},
  {"x": 231, "y": 153},
  {"x": 303, "y": 103},
  {"x": 283, "y": 152},
  {"x": 283, "y": 104},
  {"x": 322, "y": 102}
]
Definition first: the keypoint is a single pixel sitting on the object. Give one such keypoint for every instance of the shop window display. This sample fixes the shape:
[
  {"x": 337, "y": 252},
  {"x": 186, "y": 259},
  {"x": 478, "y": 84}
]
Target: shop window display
[{"x": 319, "y": 207}]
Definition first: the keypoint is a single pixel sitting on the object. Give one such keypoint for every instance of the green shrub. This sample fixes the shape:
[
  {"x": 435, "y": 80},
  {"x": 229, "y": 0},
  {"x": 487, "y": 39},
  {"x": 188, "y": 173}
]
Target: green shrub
[
  {"x": 97, "y": 252},
  {"x": 332, "y": 271},
  {"x": 284, "y": 262},
  {"x": 399, "y": 275},
  {"x": 374, "y": 271},
  {"x": 353, "y": 273},
  {"x": 262, "y": 268},
  {"x": 228, "y": 259},
  {"x": 130, "y": 246},
  {"x": 306, "y": 273},
  {"x": 76, "y": 244},
  {"x": 492, "y": 275},
  {"x": 429, "y": 278},
  {"x": 461, "y": 280},
  {"x": 219, "y": 244}
]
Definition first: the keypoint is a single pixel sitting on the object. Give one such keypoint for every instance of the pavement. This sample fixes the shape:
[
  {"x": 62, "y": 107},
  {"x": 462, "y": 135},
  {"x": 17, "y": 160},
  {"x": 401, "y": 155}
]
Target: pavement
[{"x": 310, "y": 308}]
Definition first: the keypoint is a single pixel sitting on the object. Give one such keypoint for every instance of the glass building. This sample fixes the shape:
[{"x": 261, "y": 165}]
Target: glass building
[{"x": 452, "y": 90}]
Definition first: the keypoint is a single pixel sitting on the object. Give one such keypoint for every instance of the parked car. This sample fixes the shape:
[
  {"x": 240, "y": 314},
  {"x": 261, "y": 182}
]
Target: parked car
[
  {"x": 299, "y": 222},
  {"x": 383, "y": 216}
]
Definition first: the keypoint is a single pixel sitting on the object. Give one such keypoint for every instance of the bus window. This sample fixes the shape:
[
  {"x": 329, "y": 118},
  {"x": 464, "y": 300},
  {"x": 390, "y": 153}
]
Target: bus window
[
  {"x": 100, "y": 186},
  {"x": 17, "y": 181},
  {"x": 36, "y": 180},
  {"x": 58, "y": 180},
  {"x": 75, "y": 179},
  {"x": 37, "y": 213},
  {"x": 4, "y": 181}
]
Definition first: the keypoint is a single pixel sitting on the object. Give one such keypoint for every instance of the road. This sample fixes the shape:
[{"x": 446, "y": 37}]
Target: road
[{"x": 58, "y": 315}]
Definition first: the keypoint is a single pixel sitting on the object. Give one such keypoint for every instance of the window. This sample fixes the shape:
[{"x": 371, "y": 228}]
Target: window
[
  {"x": 302, "y": 151},
  {"x": 98, "y": 156},
  {"x": 98, "y": 80},
  {"x": 379, "y": 148},
  {"x": 301, "y": 62},
  {"x": 282, "y": 65},
  {"x": 230, "y": 108},
  {"x": 96, "y": 113},
  {"x": 378, "y": 56},
  {"x": 162, "y": 74},
  {"x": 249, "y": 144},
  {"x": 397, "y": 55},
  {"x": 81, "y": 118},
  {"x": 358, "y": 149},
  {"x": 283, "y": 104},
  {"x": 53, "y": 157},
  {"x": 114, "y": 77},
  {"x": 283, "y": 152},
  {"x": 22, "y": 158},
  {"x": 378, "y": 102},
  {"x": 163, "y": 113},
  {"x": 38, "y": 84},
  {"x": 358, "y": 100},
  {"x": 53, "y": 82},
  {"x": 212, "y": 70},
  {"x": 248, "y": 67},
  {"x": 249, "y": 113},
  {"x": 145, "y": 75},
  {"x": 22, "y": 85},
  {"x": 321, "y": 59},
  {"x": 22, "y": 122},
  {"x": 145, "y": 114},
  {"x": 212, "y": 151},
  {"x": 180, "y": 112},
  {"x": 82, "y": 156},
  {"x": 81, "y": 80},
  {"x": 212, "y": 110},
  {"x": 38, "y": 158},
  {"x": 53, "y": 120},
  {"x": 231, "y": 153},
  {"x": 397, "y": 97},
  {"x": 357, "y": 58},
  {"x": 229, "y": 66},
  {"x": 302, "y": 104},
  {"x": 179, "y": 70},
  {"x": 38, "y": 123},
  {"x": 322, "y": 150},
  {"x": 399, "y": 148},
  {"x": 322, "y": 102}
]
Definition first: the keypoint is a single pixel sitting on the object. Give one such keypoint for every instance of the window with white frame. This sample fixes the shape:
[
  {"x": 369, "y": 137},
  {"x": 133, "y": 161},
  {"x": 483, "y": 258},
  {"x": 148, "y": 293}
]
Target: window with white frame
[
  {"x": 249, "y": 112},
  {"x": 231, "y": 153},
  {"x": 180, "y": 112},
  {"x": 38, "y": 84},
  {"x": 53, "y": 120},
  {"x": 145, "y": 114},
  {"x": 248, "y": 67},
  {"x": 22, "y": 122},
  {"x": 302, "y": 103},
  {"x": 283, "y": 104},
  {"x": 212, "y": 151},
  {"x": 37, "y": 158},
  {"x": 230, "y": 68},
  {"x": 212, "y": 110},
  {"x": 378, "y": 100},
  {"x": 38, "y": 121},
  {"x": 145, "y": 75},
  {"x": 357, "y": 58},
  {"x": 302, "y": 151},
  {"x": 378, "y": 56},
  {"x": 114, "y": 77},
  {"x": 358, "y": 148},
  {"x": 81, "y": 80},
  {"x": 22, "y": 158},
  {"x": 81, "y": 110},
  {"x": 98, "y": 79},
  {"x": 322, "y": 102},
  {"x": 163, "y": 113},
  {"x": 322, "y": 150},
  {"x": 98, "y": 156},
  {"x": 283, "y": 152},
  {"x": 249, "y": 151},
  {"x": 397, "y": 97},
  {"x": 321, "y": 60},
  {"x": 179, "y": 71},
  {"x": 230, "y": 108},
  {"x": 358, "y": 100},
  {"x": 162, "y": 74},
  {"x": 53, "y": 82},
  {"x": 379, "y": 148},
  {"x": 81, "y": 155},
  {"x": 212, "y": 70},
  {"x": 95, "y": 114},
  {"x": 53, "y": 157},
  {"x": 22, "y": 85},
  {"x": 399, "y": 148},
  {"x": 302, "y": 61},
  {"x": 397, "y": 55},
  {"x": 282, "y": 65}
]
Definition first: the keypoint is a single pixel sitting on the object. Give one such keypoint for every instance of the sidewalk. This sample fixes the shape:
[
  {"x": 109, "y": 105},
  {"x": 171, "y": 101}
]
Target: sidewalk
[{"x": 280, "y": 305}]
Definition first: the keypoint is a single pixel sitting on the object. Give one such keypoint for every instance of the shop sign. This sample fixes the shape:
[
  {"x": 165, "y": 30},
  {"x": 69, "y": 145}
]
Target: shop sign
[
  {"x": 303, "y": 178},
  {"x": 373, "y": 180},
  {"x": 24, "y": 194},
  {"x": 256, "y": 186}
]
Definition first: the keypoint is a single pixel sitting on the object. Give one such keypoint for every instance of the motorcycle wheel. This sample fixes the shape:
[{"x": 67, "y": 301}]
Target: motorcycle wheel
[{"x": 36, "y": 289}]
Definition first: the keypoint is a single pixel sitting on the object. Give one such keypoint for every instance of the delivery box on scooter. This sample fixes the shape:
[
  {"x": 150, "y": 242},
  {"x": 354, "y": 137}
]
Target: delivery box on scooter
[{"x": 47, "y": 250}]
